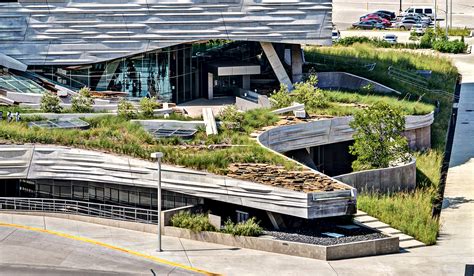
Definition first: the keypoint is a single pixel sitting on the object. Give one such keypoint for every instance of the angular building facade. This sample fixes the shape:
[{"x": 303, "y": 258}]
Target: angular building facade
[{"x": 145, "y": 47}]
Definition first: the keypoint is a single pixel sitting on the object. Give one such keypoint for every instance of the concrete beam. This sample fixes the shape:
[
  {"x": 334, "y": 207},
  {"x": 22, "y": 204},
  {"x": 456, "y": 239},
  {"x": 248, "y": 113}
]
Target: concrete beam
[{"x": 276, "y": 64}]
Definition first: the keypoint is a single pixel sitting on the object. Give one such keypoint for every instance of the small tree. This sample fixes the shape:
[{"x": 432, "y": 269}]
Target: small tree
[
  {"x": 306, "y": 92},
  {"x": 126, "y": 109},
  {"x": 50, "y": 103},
  {"x": 378, "y": 137},
  {"x": 148, "y": 105},
  {"x": 82, "y": 101}
]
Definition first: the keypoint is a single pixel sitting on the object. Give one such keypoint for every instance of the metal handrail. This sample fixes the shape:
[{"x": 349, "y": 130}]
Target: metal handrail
[{"x": 84, "y": 208}]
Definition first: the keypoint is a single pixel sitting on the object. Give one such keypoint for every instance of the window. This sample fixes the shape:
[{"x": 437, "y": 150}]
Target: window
[
  {"x": 410, "y": 10},
  {"x": 242, "y": 216},
  {"x": 418, "y": 10},
  {"x": 428, "y": 11}
]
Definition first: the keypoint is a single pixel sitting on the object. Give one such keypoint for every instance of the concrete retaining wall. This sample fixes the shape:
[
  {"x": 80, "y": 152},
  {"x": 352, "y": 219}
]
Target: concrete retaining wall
[
  {"x": 347, "y": 81},
  {"x": 335, "y": 130},
  {"x": 401, "y": 178},
  {"x": 335, "y": 252}
]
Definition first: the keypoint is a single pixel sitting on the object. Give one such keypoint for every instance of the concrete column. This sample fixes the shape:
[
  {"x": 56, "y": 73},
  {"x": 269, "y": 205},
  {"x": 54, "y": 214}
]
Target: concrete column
[
  {"x": 296, "y": 63},
  {"x": 276, "y": 64},
  {"x": 246, "y": 82},
  {"x": 210, "y": 86}
]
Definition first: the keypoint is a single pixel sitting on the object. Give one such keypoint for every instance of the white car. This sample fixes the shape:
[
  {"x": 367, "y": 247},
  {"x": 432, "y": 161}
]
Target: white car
[
  {"x": 336, "y": 35},
  {"x": 390, "y": 38},
  {"x": 419, "y": 29}
]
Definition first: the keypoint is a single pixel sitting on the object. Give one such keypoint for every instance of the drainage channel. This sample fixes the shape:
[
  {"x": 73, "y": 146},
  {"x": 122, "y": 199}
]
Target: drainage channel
[{"x": 437, "y": 206}]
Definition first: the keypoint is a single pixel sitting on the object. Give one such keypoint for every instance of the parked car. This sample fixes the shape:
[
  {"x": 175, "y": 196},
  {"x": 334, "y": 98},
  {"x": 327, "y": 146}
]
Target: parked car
[
  {"x": 368, "y": 25},
  {"x": 390, "y": 38},
  {"x": 407, "y": 24},
  {"x": 386, "y": 14},
  {"x": 378, "y": 19},
  {"x": 419, "y": 16},
  {"x": 419, "y": 29},
  {"x": 336, "y": 35},
  {"x": 428, "y": 10}
]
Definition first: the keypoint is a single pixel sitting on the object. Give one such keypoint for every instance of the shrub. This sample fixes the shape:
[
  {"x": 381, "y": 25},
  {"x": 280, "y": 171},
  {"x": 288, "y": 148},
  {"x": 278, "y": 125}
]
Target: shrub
[
  {"x": 450, "y": 46},
  {"x": 148, "y": 105},
  {"x": 378, "y": 139},
  {"x": 126, "y": 109},
  {"x": 248, "y": 228},
  {"x": 193, "y": 222},
  {"x": 281, "y": 98},
  {"x": 50, "y": 103},
  {"x": 307, "y": 93},
  {"x": 82, "y": 101},
  {"x": 231, "y": 118}
]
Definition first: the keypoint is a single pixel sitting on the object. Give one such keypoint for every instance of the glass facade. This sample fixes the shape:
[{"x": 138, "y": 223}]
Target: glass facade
[
  {"x": 167, "y": 74},
  {"x": 112, "y": 194}
]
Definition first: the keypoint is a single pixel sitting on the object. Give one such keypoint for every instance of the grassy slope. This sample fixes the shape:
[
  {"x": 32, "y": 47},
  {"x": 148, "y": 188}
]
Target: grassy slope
[{"x": 409, "y": 212}]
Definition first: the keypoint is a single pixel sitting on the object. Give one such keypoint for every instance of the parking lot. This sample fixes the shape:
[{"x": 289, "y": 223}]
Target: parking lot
[{"x": 346, "y": 12}]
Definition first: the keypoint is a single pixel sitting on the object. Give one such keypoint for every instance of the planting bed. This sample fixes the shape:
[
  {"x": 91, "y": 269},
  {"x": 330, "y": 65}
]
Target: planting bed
[{"x": 327, "y": 232}]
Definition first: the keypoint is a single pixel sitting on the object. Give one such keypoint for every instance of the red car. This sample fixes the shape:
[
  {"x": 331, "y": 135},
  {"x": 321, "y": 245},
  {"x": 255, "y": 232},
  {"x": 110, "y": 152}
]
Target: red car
[{"x": 373, "y": 16}]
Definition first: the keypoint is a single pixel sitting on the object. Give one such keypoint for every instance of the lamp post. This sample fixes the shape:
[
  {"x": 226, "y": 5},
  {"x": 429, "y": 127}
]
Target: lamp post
[
  {"x": 400, "y": 6},
  {"x": 158, "y": 156}
]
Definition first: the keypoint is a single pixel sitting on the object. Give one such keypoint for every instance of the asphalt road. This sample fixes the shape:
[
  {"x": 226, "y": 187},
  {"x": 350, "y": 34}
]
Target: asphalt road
[
  {"x": 24, "y": 252},
  {"x": 346, "y": 12}
]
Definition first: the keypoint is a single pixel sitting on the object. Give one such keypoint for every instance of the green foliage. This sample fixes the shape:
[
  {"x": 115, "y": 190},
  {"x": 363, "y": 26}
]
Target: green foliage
[
  {"x": 303, "y": 92},
  {"x": 147, "y": 106},
  {"x": 82, "y": 101},
  {"x": 408, "y": 212},
  {"x": 231, "y": 117},
  {"x": 281, "y": 98},
  {"x": 368, "y": 88},
  {"x": 378, "y": 139},
  {"x": 427, "y": 39},
  {"x": 450, "y": 46},
  {"x": 126, "y": 109},
  {"x": 50, "y": 103},
  {"x": 459, "y": 31},
  {"x": 248, "y": 228},
  {"x": 258, "y": 118},
  {"x": 193, "y": 222}
]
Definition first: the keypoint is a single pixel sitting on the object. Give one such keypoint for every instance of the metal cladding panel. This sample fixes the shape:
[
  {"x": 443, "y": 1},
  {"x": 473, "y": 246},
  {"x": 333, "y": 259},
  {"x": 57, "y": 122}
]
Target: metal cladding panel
[
  {"x": 56, "y": 162},
  {"x": 39, "y": 32}
]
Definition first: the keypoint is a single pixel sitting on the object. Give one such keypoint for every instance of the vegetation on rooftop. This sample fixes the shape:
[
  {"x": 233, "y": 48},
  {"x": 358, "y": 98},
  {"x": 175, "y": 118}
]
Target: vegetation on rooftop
[
  {"x": 339, "y": 103},
  {"x": 408, "y": 212}
]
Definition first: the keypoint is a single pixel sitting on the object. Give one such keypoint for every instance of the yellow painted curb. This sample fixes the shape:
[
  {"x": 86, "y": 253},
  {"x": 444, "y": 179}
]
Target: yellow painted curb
[{"x": 64, "y": 235}]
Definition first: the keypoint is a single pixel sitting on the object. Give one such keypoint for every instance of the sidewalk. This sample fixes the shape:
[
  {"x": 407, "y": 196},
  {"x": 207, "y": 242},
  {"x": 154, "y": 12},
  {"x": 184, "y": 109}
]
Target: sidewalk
[{"x": 429, "y": 260}]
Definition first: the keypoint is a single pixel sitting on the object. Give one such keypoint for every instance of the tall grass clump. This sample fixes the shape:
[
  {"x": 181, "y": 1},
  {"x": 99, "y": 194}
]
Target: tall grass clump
[
  {"x": 408, "y": 212},
  {"x": 249, "y": 227},
  {"x": 193, "y": 222}
]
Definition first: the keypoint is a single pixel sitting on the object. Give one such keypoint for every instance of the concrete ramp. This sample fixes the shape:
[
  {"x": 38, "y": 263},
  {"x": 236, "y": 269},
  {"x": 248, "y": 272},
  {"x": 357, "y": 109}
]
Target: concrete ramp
[{"x": 209, "y": 121}]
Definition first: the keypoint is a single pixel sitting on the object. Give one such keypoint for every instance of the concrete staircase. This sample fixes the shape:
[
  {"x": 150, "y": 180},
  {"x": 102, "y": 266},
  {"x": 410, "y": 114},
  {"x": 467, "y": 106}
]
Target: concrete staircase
[{"x": 406, "y": 242}]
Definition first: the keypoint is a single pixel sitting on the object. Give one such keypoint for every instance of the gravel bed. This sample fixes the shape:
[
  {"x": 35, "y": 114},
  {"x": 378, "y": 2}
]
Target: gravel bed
[{"x": 316, "y": 236}]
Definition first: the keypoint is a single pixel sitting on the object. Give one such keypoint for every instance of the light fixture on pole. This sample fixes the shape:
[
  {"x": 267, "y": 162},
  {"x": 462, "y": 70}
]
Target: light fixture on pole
[{"x": 158, "y": 156}]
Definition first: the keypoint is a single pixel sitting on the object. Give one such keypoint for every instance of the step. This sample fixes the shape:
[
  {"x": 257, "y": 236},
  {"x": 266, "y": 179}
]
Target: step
[{"x": 411, "y": 244}]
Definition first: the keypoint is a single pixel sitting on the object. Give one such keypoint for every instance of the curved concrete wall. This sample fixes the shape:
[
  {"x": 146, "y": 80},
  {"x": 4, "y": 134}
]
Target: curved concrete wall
[
  {"x": 56, "y": 162},
  {"x": 400, "y": 178},
  {"x": 334, "y": 130},
  {"x": 347, "y": 81},
  {"x": 39, "y": 32}
]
